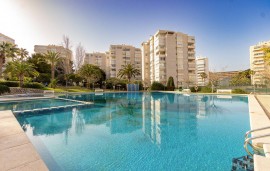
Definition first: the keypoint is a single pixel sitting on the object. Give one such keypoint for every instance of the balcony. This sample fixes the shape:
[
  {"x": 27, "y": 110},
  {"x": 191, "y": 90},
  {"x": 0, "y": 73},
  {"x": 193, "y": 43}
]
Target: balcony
[{"x": 191, "y": 47}]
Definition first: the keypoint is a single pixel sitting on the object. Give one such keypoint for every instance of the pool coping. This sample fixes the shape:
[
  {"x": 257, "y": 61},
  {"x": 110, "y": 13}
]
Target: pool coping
[
  {"x": 259, "y": 119},
  {"x": 16, "y": 150}
]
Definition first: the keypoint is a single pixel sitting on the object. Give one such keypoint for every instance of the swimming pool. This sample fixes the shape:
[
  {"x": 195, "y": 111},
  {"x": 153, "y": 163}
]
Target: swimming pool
[
  {"x": 16, "y": 106},
  {"x": 141, "y": 131}
]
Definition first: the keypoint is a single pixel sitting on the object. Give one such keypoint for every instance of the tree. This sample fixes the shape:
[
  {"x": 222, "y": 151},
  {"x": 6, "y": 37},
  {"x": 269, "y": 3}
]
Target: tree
[
  {"x": 21, "y": 69},
  {"x": 91, "y": 73},
  {"x": 128, "y": 71},
  {"x": 203, "y": 75},
  {"x": 213, "y": 79},
  {"x": 53, "y": 58},
  {"x": 170, "y": 84},
  {"x": 79, "y": 57},
  {"x": 241, "y": 79},
  {"x": 7, "y": 50},
  {"x": 266, "y": 51},
  {"x": 22, "y": 53},
  {"x": 66, "y": 65},
  {"x": 42, "y": 66}
]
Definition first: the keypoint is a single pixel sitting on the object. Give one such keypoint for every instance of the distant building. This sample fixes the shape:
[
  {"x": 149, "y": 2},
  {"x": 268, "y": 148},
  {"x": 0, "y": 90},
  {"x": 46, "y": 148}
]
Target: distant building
[
  {"x": 202, "y": 66},
  {"x": 257, "y": 63},
  {"x": 119, "y": 55},
  {"x": 169, "y": 53},
  {"x": 96, "y": 58},
  {"x": 4, "y": 38},
  {"x": 64, "y": 53}
]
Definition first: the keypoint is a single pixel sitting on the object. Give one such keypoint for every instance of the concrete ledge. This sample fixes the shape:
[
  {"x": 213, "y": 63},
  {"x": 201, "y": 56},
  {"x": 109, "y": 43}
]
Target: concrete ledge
[
  {"x": 259, "y": 119},
  {"x": 16, "y": 150},
  {"x": 261, "y": 163}
]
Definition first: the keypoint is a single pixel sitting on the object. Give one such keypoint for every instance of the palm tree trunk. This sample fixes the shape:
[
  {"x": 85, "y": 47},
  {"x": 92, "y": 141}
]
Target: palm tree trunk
[
  {"x": 1, "y": 67},
  {"x": 21, "y": 77},
  {"x": 52, "y": 71}
]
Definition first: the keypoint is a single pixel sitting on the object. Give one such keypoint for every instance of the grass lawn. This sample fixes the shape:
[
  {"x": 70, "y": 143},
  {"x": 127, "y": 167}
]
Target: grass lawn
[{"x": 69, "y": 89}]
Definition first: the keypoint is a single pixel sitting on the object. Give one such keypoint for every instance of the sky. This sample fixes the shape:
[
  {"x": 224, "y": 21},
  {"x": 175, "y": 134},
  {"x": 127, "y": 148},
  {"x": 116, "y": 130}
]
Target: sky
[{"x": 224, "y": 29}]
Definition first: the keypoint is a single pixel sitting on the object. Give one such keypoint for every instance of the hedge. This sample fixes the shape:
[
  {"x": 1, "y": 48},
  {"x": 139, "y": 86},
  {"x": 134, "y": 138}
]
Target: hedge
[
  {"x": 10, "y": 83},
  {"x": 239, "y": 91},
  {"x": 157, "y": 86},
  {"x": 33, "y": 85},
  {"x": 4, "y": 89}
]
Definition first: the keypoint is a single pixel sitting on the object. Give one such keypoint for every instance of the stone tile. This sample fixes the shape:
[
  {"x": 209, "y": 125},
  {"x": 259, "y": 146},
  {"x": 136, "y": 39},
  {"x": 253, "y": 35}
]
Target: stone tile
[
  {"x": 6, "y": 114},
  {"x": 17, "y": 156},
  {"x": 261, "y": 163},
  {"x": 9, "y": 127},
  {"x": 13, "y": 140},
  {"x": 37, "y": 165}
]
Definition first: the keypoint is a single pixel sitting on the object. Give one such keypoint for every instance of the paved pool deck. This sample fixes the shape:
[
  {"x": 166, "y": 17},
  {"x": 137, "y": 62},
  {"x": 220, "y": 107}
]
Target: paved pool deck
[
  {"x": 258, "y": 108},
  {"x": 16, "y": 151}
]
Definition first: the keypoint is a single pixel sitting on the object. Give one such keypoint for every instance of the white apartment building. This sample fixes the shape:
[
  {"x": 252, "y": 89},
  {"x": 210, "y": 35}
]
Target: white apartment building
[
  {"x": 96, "y": 58},
  {"x": 120, "y": 55},
  {"x": 169, "y": 53},
  {"x": 4, "y": 38},
  {"x": 257, "y": 63},
  {"x": 202, "y": 66}
]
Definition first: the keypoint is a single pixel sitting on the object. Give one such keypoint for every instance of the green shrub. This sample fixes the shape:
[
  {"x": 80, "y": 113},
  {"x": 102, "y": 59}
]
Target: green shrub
[
  {"x": 206, "y": 90},
  {"x": 33, "y": 85},
  {"x": 192, "y": 89},
  {"x": 239, "y": 91},
  {"x": 53, "y": 83},
  {"x": 157, "y": 86},
  {"x": 4, "y": 89},
  {"x": 10, "y": 83},
  {"x": 170, "y": 84}
]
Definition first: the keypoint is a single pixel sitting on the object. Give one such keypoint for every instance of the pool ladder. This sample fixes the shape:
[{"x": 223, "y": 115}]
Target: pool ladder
[{"x": 256, "y": 148}]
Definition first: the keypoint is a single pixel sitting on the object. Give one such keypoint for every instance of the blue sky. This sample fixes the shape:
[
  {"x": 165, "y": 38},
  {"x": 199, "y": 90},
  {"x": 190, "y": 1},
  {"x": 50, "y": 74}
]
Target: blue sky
[{"x": 224, "y": 29}]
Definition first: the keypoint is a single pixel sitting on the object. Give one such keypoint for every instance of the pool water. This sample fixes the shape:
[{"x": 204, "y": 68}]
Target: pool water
[
  {"x": 141, "y": 131},
  {"x": 34, "y": 104}
]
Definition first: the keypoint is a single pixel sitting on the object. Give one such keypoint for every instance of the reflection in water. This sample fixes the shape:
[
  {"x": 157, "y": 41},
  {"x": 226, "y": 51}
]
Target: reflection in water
[{"x": 153, "y": 113}]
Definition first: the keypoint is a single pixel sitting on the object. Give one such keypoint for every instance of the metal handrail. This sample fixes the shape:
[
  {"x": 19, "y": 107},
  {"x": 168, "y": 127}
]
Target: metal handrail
[
  {"x": 247, "y": 142},
  {"x": 254, "y": 130}
]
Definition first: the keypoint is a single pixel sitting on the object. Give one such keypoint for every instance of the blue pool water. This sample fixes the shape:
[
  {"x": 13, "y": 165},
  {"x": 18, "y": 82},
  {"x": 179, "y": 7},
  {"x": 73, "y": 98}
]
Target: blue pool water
[
  {"x": 34, "y": 104},
  {"x": 141, "y": 131}
]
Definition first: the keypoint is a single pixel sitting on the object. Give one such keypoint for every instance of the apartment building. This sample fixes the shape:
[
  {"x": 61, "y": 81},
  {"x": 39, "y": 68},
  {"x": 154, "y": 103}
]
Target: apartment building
[
  {"x": 4, "y": 38},
  {"x": 169, "y": 53},
  {"x": 64, "y": 53},
  {"x": 202, "y": 66},
  {"x": 96, "y": 58},
  {"x": 119, "y": 55},
  {"x": 257, "y": 63}
]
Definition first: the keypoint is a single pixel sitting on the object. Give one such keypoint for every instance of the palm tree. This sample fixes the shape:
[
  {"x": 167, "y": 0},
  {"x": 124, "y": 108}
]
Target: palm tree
[
  {"x": 128, "y": 71},
  {"x": 22, "y": 53},
  {"x": 203, "y": 75},
  {"x": 21, "y": 69},
  {"x": 91, "y": 73},
  {"x": 266, "y": 51},
  {"x": 6, "y": 50},
  {"x": 53, "y": 58}
]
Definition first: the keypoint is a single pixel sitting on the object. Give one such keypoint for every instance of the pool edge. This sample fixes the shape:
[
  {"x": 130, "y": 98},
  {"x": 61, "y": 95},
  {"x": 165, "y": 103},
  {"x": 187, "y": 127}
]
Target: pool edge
[
  {"x": 16, "y": 150},
  {"x": 259, "y": 119}
]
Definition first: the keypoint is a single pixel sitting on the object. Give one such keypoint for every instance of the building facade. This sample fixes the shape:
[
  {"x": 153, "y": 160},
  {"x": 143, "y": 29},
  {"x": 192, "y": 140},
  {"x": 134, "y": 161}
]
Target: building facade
[
  {"x": 202, "y": 66},
  {"x": 96, "y": 58},
  {"x": 257, "y": 63},
  {"x": 64, "y": 53},
  {"x": 119, "y": 55},
  {"x": 169, "y": 53},
  {"x": 4, "y": 38}
]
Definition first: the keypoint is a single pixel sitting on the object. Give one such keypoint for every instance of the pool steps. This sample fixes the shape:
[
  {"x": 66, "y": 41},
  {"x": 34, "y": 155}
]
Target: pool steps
[{"x": 81, "y": 103}]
